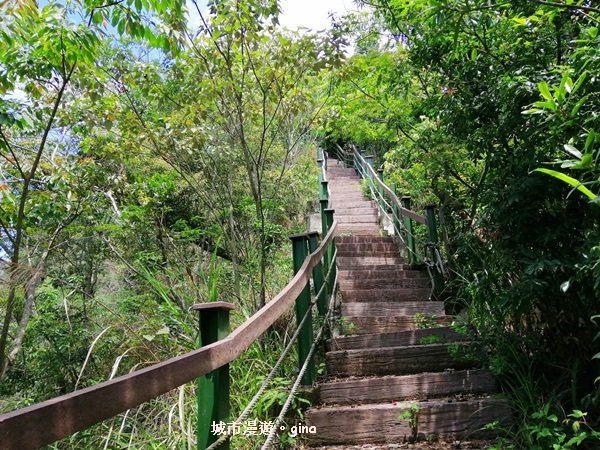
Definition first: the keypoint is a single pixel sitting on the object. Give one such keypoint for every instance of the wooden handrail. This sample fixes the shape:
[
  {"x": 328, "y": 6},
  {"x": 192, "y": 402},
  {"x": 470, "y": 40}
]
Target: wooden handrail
[
  {"x": 403, "y": 211},
  {"x": 46, "y": 422}
]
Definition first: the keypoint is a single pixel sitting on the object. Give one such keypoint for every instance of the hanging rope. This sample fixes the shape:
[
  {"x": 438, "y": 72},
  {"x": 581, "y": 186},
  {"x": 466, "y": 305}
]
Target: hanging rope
[
  {"x": 272, "y": 435},
  {"x": 269, "y": 378}
]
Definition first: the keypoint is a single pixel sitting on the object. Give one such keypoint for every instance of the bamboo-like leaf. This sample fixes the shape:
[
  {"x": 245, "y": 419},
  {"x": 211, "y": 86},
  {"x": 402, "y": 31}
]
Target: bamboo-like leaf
[
  {"x": 578, "y": 105},
  {"x": 579, "y": 81},
  {"x": 572, "y": 151},
  {"x": 545, "y": 91},
  {"x": 569, "y": 180}
]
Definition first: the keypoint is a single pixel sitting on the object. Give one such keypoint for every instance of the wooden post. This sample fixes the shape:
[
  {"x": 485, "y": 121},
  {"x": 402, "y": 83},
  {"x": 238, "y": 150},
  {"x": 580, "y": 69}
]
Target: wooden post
[
  {"x": 305, "y": 337},
  {"x": 410, "y": 232},
  {"x": 213, "y": 388},
  {"x": 318, "y": 275}
]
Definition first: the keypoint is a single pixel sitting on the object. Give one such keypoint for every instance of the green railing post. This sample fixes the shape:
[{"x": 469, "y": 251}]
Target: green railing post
[
  {"x": 433, "y": 243},
  {"x": 395, "y": 212},
  {"x": 330, "y": 251},
  {"x": 380, "y": 189},
  {"x": 324, "y": 203},
  {"x": 319, "y": 273},
  {"x": 305, "y": 337},
  {"x": 369, "y": 160},
  {"x": 410, "y": 233},
  {"x": 324, "y": 190},
  {"x": 212, "y": 388},
  {"x": 431, "y": 224}
]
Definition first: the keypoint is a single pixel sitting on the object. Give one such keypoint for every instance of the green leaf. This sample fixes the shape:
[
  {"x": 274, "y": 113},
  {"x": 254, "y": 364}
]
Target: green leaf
[
  {"x": 572, "y": 151},
  {"x": 534, "y": 111},
  {"x": 569, "y": 180},
  {"x": 578, "y": 105},
  {"x": 579, "y": 81},
  {"x": 546, "y": 105},
  {"x": 589, "y": 141},
  {"x": 545, "y": 91}
]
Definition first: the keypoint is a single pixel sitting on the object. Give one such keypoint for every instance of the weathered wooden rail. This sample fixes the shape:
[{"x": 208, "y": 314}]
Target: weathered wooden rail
[{"x": 46, "y": 422}]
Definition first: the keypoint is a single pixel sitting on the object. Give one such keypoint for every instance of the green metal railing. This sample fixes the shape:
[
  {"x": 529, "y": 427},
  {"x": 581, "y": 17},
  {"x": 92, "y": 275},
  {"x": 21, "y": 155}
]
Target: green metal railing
[{"x": 424, "y": 251}]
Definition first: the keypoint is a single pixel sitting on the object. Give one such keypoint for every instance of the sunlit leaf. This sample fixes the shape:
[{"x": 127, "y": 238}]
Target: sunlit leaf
[{"x": 569, "y": 180}]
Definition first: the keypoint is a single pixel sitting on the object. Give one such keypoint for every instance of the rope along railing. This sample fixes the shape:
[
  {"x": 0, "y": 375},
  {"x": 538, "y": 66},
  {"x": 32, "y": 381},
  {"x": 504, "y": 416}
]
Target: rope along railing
[
  {"x": 401, "y": 217},
  {"x": 274, "y": 370},
  {"x": 46, "y": 422}
]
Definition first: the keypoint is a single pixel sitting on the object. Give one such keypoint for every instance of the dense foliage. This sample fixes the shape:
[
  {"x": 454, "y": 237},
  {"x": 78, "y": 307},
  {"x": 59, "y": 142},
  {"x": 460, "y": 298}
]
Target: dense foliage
[
  {"x": 147, "y": 166},
  {"x": 462, "y": 102}
]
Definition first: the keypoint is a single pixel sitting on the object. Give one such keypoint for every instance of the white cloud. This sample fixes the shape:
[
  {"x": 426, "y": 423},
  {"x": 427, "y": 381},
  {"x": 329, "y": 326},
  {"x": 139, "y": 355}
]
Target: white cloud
[{"x": 312, "y": 14}]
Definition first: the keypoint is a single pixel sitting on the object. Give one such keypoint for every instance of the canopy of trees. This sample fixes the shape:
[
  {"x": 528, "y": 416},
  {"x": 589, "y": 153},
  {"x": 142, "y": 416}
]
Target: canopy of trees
[{"x": 146, "y": 166}]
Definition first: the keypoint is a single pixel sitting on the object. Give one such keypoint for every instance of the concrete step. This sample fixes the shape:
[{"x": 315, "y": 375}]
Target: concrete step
[
  {"x": 373, "y": 247},
  {"x": 364, "y": 240},
  {"x": 359, "y": 205},
  {"x": 348, "y": 207},
  {"x": 364, "y": 253},
  {"x": 381, "y": 272},
  {"x": 397, "y": 360},
  {"x": 360, "y": 209},
  {"x": 384, "y": 283},
  {"x": 344, "y": 262},
  {"x": 358, "y": 229},
  {"x": 392, "y": 388},
  {"x": 389, "y": 309},
  {"x": 385, "y": 295},
  {"x": 358, "y": 325},
  {"x": 445, "y": 418},
  {"x": 396, "y": 339},
  {"x": 357, "y": 218}
]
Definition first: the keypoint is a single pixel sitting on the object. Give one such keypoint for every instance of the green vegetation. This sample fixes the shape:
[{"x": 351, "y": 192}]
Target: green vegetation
[
  {"x": 490, "y": 110},
  {"x": 146, "y": 167}
]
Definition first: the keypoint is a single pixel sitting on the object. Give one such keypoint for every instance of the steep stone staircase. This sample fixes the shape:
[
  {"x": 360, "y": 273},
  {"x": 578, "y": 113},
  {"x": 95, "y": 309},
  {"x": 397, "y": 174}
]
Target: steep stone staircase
[{"x": 397, "y": 372}]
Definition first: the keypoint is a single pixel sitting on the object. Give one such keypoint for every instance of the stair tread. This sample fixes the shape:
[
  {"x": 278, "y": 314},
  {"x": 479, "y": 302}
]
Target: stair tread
[
  {"x": 425, "y": 385},
  {"x": 387, "y": 309},
  {"x": 396, "y": 360},
  {"x": 383, "y": 422},
  {"x": 359, "y": 325},
  {"x": 395, "y": 339}
]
